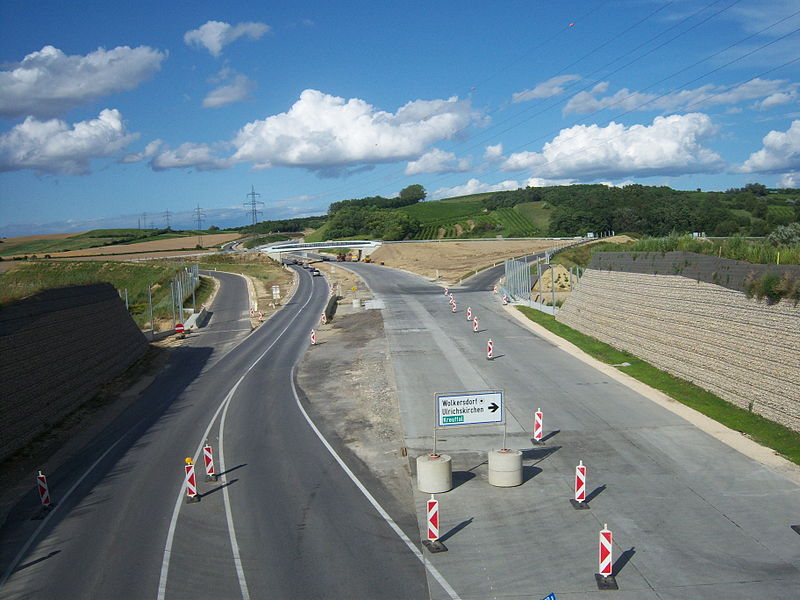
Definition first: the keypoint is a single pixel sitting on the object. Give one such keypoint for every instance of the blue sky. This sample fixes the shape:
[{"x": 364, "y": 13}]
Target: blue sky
[{"x": 112, "y": 114}]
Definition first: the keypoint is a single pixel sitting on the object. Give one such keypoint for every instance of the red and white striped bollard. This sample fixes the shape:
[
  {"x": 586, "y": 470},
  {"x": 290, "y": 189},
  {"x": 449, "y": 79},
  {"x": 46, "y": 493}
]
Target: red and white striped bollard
[
  {"x": 44, "y": 491},
  {"x": 323, "y": 319},
  {"x": 475, "y": 324},
  {"x": 191, "y": 482},
  {"x": 505, "y": 299},
  {"x": 446, "y": 291},
  {"x": 208, "y": 459},
  {"x": 313, "y": 337},
  {"x": 605, "y": 552},
  {"x": 469, "y": 313},
  {"x": 433, "y": 519},
  {"x": 494, "y": 289},
  {"x": 454, "y": 307},
  {"x": 580, "y": 482},
  {"x": 490, "y": 350},
  {"x": 538, "y": 419}
]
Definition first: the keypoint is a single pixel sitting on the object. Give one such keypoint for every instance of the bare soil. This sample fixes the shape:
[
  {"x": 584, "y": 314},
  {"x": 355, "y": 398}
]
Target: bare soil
[
  {"x": 450, "y": 261},
  {"x": 348, "y": 380},
  {"x": 207, "y": 241}
]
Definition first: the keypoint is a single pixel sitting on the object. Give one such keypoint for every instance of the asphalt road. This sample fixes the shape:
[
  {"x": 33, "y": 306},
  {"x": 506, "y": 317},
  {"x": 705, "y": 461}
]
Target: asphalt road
[
  {"x": 691, "y": 517},
  {"x": 284, "y": 521}
]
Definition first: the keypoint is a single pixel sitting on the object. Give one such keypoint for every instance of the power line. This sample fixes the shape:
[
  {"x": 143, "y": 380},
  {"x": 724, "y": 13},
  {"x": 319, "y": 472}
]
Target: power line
[
  {"x": 167, "y": 215},
  {"x": 252, "y": 204}
]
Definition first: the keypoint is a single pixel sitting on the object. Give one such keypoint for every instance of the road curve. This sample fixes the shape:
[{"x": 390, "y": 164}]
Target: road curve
[{"x": 298, "y": 525}]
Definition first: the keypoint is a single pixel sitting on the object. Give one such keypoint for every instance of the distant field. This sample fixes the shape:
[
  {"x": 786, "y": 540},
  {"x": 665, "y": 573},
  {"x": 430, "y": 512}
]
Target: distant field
[
  {"x": 536, "y": 214},
  {"x": 784, "y": 211},
  {"x": 428, "y": 213},
  {"x": 102, "y": 241}
]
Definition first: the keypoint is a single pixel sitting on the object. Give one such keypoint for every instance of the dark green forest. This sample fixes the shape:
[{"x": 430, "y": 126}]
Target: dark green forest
[{"x": 560, "y": 211}]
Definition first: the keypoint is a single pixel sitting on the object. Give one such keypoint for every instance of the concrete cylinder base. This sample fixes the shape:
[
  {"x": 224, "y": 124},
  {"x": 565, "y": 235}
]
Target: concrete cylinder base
[
  {"x": 505, "y": 468},
  {"x": 434, "y": 473}
]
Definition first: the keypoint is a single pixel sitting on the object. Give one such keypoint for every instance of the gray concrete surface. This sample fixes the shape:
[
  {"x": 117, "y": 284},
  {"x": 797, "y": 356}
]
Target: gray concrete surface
[{"x": 691, "y": 517}]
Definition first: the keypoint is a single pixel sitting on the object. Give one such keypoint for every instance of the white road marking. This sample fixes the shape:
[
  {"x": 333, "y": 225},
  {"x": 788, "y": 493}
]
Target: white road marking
[
  {"x": 401, "y": 534},
  {"x": 162, "y": 585},
  {"x": 13, "y": 566}
]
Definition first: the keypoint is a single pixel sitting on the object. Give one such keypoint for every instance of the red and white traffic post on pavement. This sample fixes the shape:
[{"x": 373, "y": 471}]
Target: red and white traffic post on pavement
[
  {"x": 432, "y": 543},
  {"x": 454, "y": 306},
  {"x": 191, "y": 482},
  {"x": 490, "y": 350},
  {"x": 505, "y": 299},
  {"x": 605, "y": 577},
  {"x": 538, "y": 420},
  {"x": 469, "y": 313},
  {"x": 313, "y": 337},
  {"x": 323, "y": 318},
  {"x": 44, "y": 491},
  {"x": 208, "y": 459},
  {"x": 494, "y": 289},
  {"x": 446, "y": 291},
  {"x": 475, "y": 324}
]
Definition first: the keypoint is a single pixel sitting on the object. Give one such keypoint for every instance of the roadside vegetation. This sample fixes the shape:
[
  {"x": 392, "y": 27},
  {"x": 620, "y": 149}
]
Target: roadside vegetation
[
  {"x": 772, "y": 435},
  {"x": 29, "y": 278},
  {"x": 265, "y": 239}
]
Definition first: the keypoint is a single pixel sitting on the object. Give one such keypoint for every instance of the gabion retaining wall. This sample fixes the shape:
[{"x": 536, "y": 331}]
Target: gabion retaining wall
[
  {"x": 737, "y": 348},
  {"x": 57, "y": 348}
]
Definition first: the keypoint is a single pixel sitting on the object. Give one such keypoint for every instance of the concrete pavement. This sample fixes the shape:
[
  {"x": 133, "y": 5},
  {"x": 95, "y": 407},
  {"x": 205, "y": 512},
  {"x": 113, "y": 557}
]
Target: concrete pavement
[{"x": 691, "y": 517}]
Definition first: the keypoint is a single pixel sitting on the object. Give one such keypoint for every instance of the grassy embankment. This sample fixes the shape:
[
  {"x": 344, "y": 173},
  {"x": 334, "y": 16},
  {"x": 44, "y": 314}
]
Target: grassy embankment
[
  {"x": 781, "y": 439},
  {"x": 27, "y": 278}
]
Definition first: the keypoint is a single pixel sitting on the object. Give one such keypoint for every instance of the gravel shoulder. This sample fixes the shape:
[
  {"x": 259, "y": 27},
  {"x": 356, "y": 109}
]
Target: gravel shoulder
[{"x": 348, "y": 383}]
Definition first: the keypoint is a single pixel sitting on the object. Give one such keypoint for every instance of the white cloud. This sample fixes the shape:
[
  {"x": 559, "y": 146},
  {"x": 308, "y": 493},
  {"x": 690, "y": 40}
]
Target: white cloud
[
  {"x": 437, "y": 161},
  {"x": 542, "y": 182},
  {"x": 789, "y": 180},
  {"x": 321, "y": 132},
  {"x": 669, "y": 146},
  {"x": 53, "y": 147},
  {"x": 703, "y": 97},
  {"x": 237, "y": 90},
  {"x": 48, "y": 83},
  {"x": 493, "y": 153},
  {"x": 781, "y": 153},
  {"x": 215, "y": 35},
  {"x": 547, "y": 89},
  {"x": 474, "y": 186},
  {"x": 776, "y": 99},
  {"x": 189, "y": 155},
  {"x": 149, "y": 152}
]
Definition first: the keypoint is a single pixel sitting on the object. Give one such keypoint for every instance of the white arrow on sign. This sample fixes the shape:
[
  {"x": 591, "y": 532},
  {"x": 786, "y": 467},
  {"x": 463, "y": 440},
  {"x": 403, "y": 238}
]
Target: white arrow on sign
[{"x": 470, "y": 408}]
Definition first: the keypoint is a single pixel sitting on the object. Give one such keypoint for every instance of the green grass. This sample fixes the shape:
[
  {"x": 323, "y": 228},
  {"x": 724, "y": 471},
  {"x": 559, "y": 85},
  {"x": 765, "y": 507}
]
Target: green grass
[
  {"x": 437, "y": 212},
  {"x": 772, "y": 435},
  {"x": 781, "y": 211},
  {"x": 32, "y": 277},
  {"x": 535, "y": 213},
  {"x": 579, "y": 256},
  {"x": 736, "y": 248},
  {"x": 514, "y": 223}
]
